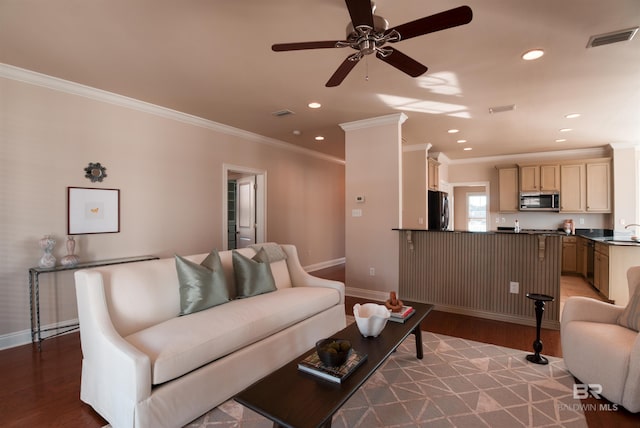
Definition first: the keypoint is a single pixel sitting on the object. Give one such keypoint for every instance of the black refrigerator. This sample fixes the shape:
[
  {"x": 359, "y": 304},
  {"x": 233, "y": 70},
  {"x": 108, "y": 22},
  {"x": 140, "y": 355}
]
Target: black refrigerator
[{"x": 438, "y": 210}]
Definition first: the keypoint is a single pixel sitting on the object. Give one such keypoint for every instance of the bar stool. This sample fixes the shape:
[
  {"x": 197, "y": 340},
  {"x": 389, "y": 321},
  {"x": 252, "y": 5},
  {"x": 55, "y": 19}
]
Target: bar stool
[{"x": 540, "y": 300}]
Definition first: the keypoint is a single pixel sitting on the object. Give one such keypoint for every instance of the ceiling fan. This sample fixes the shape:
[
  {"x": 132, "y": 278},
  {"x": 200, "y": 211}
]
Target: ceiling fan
[{"x": 368, "y": 33}]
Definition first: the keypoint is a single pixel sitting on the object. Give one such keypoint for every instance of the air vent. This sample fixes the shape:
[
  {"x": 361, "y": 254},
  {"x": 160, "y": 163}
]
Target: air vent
[
  {"x": 500, "y": 109},
  {"x": 613, "y": 37},
  {"x": 282, "y": 113}
]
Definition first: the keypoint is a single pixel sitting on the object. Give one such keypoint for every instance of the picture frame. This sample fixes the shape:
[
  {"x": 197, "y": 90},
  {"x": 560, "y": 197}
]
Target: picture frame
[{"x": 93, "y": 210}]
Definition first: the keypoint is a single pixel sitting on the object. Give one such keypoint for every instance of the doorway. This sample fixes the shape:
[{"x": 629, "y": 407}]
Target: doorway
[
  {"x": 470, "y": 206},
  {"x": 243, "y": 206}
]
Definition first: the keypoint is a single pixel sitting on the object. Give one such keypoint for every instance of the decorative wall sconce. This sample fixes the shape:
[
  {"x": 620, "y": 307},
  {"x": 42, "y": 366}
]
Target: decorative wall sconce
[{"x": 95, "y": 172}]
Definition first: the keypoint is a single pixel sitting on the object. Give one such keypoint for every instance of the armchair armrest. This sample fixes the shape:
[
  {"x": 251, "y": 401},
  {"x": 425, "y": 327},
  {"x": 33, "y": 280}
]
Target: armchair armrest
[
  {"x": 578, "y": 308},
  {"x": 301, "y": 278}
]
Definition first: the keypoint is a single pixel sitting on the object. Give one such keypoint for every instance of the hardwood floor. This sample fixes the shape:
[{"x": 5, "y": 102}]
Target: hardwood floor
[{"x": 42, "y": 389}]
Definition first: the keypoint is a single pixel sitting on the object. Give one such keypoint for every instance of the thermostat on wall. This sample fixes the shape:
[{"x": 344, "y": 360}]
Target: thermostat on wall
[{"x": 360, "y": 199}]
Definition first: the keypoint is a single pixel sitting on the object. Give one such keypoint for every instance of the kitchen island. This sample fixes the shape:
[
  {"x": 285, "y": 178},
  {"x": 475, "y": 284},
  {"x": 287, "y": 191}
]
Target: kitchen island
[{"x": 472, "y": 272}]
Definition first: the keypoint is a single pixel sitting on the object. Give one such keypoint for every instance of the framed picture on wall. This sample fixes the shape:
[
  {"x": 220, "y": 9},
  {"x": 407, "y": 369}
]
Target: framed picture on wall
[{"x": 93, "y": 210}]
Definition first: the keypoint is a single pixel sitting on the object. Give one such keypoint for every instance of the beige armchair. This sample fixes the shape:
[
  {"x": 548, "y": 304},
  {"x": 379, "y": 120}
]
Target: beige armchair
[{"x": 598, "y": 350}]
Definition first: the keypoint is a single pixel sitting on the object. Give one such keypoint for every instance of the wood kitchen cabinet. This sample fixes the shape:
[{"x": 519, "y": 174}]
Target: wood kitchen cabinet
[
  {"x": 569, "y": 254},
  {"x": 573, "y": 191},
  {"x": 539, "y": 178},
  {"x": 581, "y": 256},
  {"x": 601, "y": 268},
  {"x": 599, "y": 187},
  {"x": 433, "y": 167},
  {"x": 508, "y": 189}
]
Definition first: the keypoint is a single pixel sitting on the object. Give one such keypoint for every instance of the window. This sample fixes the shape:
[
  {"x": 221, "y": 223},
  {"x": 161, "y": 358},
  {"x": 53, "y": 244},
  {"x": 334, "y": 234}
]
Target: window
[{"x": 476, "y": 212}]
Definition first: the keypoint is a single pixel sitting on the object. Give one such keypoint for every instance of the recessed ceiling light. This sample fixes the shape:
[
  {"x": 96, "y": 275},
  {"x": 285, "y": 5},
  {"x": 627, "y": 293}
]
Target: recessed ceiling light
[
  {"x": 461, "y": 141},
  {"x": 314, "y": 105},
  {"x": 466, "y": 149},
  {"x": 453, "y": 131},
  {"x": 296, "y": 132},
  {"x": 319, "y": 138},
  {"x": 532, "y": 54},
  {"x": 572, "y": 115},
  {"x": 561, "y": 140},
  {"x": 566, "y": 130}
]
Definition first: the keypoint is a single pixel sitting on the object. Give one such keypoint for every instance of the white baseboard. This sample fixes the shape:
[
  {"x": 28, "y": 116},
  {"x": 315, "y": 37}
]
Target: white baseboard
[
  {"x": 379, "y": 296},
  {"x": 325, "y": 264},
  {"x": 19, "y": 338}
]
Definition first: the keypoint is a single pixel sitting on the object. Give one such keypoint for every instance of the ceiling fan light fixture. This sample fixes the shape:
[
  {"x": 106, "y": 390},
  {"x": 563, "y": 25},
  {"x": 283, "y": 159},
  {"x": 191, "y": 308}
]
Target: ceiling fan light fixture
[{"x": 533, "y": 54}]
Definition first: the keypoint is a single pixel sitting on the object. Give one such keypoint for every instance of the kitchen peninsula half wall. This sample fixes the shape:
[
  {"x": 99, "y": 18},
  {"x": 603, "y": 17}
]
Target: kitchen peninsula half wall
[{"x": 472, "y": 272}]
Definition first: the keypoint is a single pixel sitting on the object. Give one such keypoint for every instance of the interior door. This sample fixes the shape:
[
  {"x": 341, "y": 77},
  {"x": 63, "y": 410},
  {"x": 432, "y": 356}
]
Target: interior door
[{"x": 246, "y": 215}]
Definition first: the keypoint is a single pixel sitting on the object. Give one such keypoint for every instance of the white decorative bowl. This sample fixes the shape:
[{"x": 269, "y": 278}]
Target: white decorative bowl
[{"x": 371, "y": 318}]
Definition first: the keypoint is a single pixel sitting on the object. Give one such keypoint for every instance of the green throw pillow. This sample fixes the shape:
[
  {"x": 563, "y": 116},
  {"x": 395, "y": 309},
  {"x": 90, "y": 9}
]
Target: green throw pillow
[
  {"x": 630, "y": 318},
  {"x": 253, "y": 276},
  {"x": 201, "y": 285}
]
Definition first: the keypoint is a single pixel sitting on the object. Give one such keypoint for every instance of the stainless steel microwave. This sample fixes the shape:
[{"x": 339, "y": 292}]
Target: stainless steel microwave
[{"x": 539, "y": 202}]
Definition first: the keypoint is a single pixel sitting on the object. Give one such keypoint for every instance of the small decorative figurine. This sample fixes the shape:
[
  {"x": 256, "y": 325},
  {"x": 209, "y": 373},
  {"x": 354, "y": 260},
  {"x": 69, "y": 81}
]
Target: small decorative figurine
[
  {"x": 47, "y": 260},
  {"x": 70, "y": 259},
  {"x": 392, "y": 303}
]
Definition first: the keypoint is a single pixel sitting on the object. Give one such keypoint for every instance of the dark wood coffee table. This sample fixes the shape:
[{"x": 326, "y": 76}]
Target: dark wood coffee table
[{"x": 294, "y": 399}]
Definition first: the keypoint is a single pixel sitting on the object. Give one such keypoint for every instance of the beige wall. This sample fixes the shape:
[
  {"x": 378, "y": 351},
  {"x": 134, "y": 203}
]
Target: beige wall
[
  {"x": 168, "y": 168},
  {"x": 373, "y": 169}
]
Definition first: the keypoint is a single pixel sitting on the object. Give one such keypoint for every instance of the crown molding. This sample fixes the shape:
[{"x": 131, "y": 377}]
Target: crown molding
[
  {"x": 395, "y": 118},
  {"x": 592, "y": 152},
  {"x": 34, "y": 78},
  {"x": 416, "y": 147}
]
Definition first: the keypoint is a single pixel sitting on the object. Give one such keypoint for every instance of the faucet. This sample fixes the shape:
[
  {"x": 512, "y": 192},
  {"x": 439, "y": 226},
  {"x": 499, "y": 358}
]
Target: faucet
[{"x": 633, "y": 237}]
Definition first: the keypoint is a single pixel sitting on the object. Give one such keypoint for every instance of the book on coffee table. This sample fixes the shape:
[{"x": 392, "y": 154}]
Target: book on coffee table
[
  {"x": 402, "y": 314},
  {"x": 312, "y": 364}
]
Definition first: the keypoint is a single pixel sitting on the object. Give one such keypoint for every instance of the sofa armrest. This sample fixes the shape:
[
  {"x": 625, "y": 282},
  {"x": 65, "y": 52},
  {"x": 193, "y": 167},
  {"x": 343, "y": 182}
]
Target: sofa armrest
[
  {"x": 116, "y": 371},
  {"x": 578, "y": 308},
  {"x": 301, "y": 278}
]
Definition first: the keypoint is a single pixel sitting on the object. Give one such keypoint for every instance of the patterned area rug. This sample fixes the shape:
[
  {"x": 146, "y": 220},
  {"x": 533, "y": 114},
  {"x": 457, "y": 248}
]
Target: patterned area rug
[{"x": 458, "y": 383}]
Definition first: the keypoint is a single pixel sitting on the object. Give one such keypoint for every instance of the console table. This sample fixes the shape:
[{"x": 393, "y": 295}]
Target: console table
[{"x": 34, "y": 293}]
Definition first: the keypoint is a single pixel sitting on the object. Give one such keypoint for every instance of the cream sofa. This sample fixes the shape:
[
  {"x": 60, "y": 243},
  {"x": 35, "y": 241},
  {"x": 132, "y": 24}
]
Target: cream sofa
[{"x": 145, "y": 366}]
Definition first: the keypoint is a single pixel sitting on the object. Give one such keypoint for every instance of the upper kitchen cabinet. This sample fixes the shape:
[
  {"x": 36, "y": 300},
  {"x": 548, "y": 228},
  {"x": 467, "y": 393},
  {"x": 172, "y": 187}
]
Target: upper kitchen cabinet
[
  {"x": 599, "y": 186},
  {"x": 539, "y": 178},
  {"x": 573, "y": 192},
  {"x": 508, "y": 189},
  {"x": 433, "y": 174},
  {"x": 586, "y": 186}
]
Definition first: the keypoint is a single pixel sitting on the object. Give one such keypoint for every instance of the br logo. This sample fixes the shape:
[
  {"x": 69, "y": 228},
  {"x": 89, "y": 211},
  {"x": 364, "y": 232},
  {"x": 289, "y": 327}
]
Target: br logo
[{"x": 582, "y": 390}]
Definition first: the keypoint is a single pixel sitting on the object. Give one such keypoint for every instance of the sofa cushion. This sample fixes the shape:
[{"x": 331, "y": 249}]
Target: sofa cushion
[
  {"x": 180, "y": 345},
  {"x": 253, "y": 276},
  {"x": 201, "y": 285},
  {"x": 630, "y": 317}
]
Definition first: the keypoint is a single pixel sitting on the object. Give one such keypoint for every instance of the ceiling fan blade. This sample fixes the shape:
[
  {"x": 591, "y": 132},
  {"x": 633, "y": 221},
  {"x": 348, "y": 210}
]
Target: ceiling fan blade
[
  {"x": 281, "y": 47},
  {"x": 342, "y": 71},
  {"x": 403, "y": 63},
  {"x": 430, "y": 24},
  {"x": 360, "y": 12}
]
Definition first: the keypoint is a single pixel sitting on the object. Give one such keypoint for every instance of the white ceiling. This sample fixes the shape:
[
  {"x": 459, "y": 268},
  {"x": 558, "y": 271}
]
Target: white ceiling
[{"x": 212, "y": 59}]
